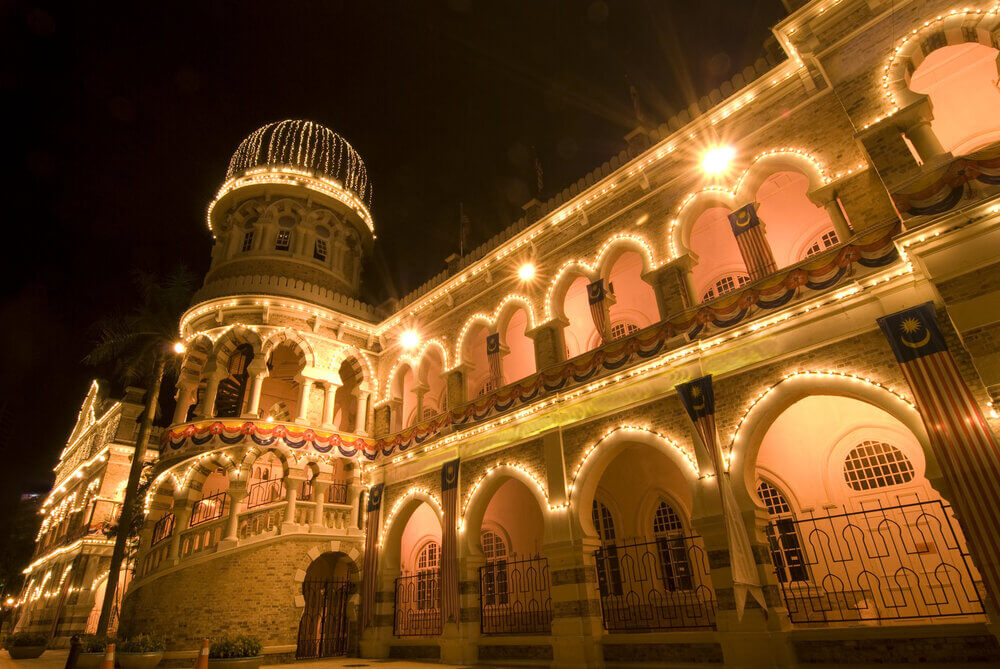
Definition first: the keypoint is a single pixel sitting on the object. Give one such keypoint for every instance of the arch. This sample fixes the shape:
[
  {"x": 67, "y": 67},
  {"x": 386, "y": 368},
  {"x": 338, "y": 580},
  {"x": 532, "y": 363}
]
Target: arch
[
  {"x": 390, "y": 539},
  {"x": 620, "y": 244},
  {"x": 199, "y": 350},
  {"x": 482, "y": 492},
  {"x": 514, "y": 321},
  {"x": 430, "y": 375},
  {"x": 690, "y": 210},
  {"x": 231, "y": 340},
  {"x": 635, "y": 299},
  {"x": 790, "y": 217},
  {"x": 246, "y": 463},
  {"x": 293, "y": 338},
  {"x": 569, "y": 273},
  {"x": 477, "y": 320},
  {"x": 771, "y": 163},
  {"x": 750, "y": 431}
]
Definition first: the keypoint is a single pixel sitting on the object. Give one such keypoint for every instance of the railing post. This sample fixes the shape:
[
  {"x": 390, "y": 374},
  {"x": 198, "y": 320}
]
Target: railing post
[
  {"x": 319, "y": 498},
  {"x": 231, "y": 536},
  {"x": 182, "y": 515}
]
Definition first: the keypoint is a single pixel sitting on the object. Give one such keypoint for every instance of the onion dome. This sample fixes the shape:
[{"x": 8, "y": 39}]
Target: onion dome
[{"x": 303, "y": 146}]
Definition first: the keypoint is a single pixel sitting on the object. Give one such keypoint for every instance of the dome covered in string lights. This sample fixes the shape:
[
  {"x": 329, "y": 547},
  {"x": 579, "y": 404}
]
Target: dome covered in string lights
[{"x": 303, "y": 145}]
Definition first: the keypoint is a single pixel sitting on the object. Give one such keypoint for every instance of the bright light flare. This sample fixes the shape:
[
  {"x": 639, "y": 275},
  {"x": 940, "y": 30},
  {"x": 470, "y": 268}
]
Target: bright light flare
[
  {"x": 179, "y": 348},
  {"x": 717, "y": 159},
  {"x": 526, "y": 271},
  {"x": 409, "y": 339}
]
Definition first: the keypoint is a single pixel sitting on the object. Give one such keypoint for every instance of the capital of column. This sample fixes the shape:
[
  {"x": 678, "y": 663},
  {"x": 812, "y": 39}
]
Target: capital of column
[
  {"x": 914, "y": 121},
  {"x": 671, "y": 280}
]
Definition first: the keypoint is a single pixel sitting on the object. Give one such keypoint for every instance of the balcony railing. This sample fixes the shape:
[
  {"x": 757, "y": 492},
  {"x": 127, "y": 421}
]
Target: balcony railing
[
  {"x": 208, "y": 508},
  {"x": 514, "y": 597},
  {"x": 163, "y": 529},
  {"x": 418, "y": 604},
  {"x": 265, "y": 492}
]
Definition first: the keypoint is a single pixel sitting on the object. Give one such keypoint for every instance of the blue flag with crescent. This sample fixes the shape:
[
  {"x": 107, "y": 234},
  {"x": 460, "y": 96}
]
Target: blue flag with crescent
[
  {"x": 744, "y": 219},
  {"x": 697, "y": 397},
  {"x": 375, "y": 497},
  {"x": 914, "y": 332}
]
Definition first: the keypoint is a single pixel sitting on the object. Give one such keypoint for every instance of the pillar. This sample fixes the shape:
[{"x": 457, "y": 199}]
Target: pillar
[
  {"x": 914, "y": 122},
  {"x": 207, "y": 407},
  {"x": 182, "y": 516},
  {"x": 231, "y": 535},
  {"x": 672, "y": 285},
  {"x": 319, "y": 497},
  {"x": 329, "y": 393},
  {"x": 305, "y": 387},
  {"x": 826, "y": 197},
  {"x": 259, "y": 373},
  {"x": 292, "y": 486},
  {"x": 420, "y": 391},
  {"x": 550, "y": 342},
  {"x": 382, "y": 420},
  {"x": 361, "y": 418},
  {"x": 455, "y": 381},
  {"x": 187, "y": 393}
]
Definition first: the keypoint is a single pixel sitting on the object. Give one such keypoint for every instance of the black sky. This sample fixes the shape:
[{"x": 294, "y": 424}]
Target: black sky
[{"x": 122, "y": 118}]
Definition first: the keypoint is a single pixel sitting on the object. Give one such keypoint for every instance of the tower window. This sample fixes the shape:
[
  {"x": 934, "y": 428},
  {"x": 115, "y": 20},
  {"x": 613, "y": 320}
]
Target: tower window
[
  {"x": 247, "y": 240},
  {"x": 283, "y": 240},
  {"x": 874, "y": 464},
  {"x": 319, "y": 250}
]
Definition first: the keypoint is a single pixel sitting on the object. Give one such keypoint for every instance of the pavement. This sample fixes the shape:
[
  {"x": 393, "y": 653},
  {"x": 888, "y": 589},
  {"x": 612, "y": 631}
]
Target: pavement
[{"x": 56, "y": 659}]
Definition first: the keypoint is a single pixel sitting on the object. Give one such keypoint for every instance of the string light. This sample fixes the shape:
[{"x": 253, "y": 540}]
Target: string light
[
  {"x": 399, "y": 503},
  {"x": 486, "y": 474}
]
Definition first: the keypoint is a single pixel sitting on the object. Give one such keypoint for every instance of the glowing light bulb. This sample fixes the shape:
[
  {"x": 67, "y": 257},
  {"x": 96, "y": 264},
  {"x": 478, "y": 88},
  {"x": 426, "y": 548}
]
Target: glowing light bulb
[
  {"x": 179, "y": 347},
  {"x": 409, "y": 339},
  {"x": 526, "y": 271},
  {"x": 716, "y": 160}
]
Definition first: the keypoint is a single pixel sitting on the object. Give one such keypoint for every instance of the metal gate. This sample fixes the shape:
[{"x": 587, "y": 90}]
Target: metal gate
[{"x": 323, "y": 628}]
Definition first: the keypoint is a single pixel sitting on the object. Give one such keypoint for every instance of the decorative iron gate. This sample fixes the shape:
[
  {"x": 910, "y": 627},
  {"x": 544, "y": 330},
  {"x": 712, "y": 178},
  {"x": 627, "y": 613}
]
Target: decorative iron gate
[
  {"x": 418, "y": 604},
  {"x": 323, "y": 627},
  {"x": 893, "y": 563},
  {"x": 655, "y": 585},
  {"x": 514, "y": 597}
]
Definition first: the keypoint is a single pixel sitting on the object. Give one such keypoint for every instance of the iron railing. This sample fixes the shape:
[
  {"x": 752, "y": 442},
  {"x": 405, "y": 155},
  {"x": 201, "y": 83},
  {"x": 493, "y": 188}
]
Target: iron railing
[
  {"x": 515, "y": 597},
  {"x": 264, "y": 492},
  {"x": 655, "y": 585},
  {"x": 164, "y": 528},
  {"x": 208, "y": 508},
  {"x": 418, "y": 604},
  {"x": 337, "y": 494},
  {"x": 893, "y": 563},
  {"x": 323, "y": 627}
]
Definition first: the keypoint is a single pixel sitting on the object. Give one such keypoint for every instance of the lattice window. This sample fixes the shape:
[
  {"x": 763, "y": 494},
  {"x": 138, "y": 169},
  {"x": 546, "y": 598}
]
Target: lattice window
[
  {"x": 609, "y": 574},
  {"x": 495, "y": 589},
  {"x": 828, "y": 239},
  {"x": 283, "y": 240},
  {"x": 773, "y": 499},
  {"x": 247, "y": 240},
  {"x": 320, "y": 250},
  {"x": 623, "y": 329},
  {"x": 666, "y": 520},
  {"x": 672, "y": 548},
  {"x": 427, "y": 576},
  {"x": 726, "y": 284},
  {"x": 874, "y": 464},
  {"x": 603, "y": 521}
]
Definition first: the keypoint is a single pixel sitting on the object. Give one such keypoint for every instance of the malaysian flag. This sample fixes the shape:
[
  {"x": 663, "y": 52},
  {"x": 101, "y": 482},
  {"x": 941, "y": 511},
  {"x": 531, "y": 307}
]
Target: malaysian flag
[
  {"x": 699, "y": 401},
  {"x": 493, "y": 355},
  {"x": 370, "y": 576},
  {"x": 596, "y": 293},
  {"x": 449, "y": 543},
  {"x": 962, "y": 442},
  {"x": 753, "y": 244}
]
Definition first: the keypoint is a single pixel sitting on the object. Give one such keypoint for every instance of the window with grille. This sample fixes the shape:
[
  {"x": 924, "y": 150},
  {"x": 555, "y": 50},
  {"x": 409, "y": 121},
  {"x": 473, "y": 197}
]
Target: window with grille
[
  {"x": 672, "y": 548},
  {"x": 428, "y": 413},
  {"x": 623, "y": 329},
  {"x": 427, "y": 576},
  {"x": 609, "y": 572},
  {"x": 248, "y": 240},
  {"x": 495, "y": 589},
  {"x": 874, "y": 464},
  {"x": 827, "y": 240},
  {"x": 726, "y": 284},
  {"x": 782, "y": 537},
  {"x": 283, "y": 240},
  {"x": 319, "y": 250},
  {"x": 489, "y": 385}
]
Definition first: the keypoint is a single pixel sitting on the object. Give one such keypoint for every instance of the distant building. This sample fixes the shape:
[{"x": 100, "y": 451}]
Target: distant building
[{"x": 497, "y": 468}]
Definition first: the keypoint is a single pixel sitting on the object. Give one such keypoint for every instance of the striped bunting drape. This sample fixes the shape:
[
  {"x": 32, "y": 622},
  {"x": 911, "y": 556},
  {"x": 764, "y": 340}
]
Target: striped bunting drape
[
  {"x": 965, "y": 447},
  {"x": 753, "y": 244},
  {"x": 493, "y": 356},
  {"x": 698, "y": 398},
  {"x": 450, "y": 606},
  {"x": 370, "y": 575},
  {"x": 596, "y": 293}
]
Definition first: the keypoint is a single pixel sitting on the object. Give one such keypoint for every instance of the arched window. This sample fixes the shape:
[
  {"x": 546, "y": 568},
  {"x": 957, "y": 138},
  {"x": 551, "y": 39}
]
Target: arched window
[
  {"x": 427, "y": 576},
  {"x": 726, "y": 284},
  {"x": 283, "y": 240},
  {"x": 232, "y": 389},
  {"x": 671, "y": 546},
  {"x": 495, "y": 572},
  {"x": 320, "y": 250},
  {"x": 875, "y": 464},
  {"x": 609, "y": 572},
  {"x": 827, "y": 240},
  {"x": 782, "y": 537},
  {"x": 623, "y": 329},
  {"x": 247, "y": 240}
]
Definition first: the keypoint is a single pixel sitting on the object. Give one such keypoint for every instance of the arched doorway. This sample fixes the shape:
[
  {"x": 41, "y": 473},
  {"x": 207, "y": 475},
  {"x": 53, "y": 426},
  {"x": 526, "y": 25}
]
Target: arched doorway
[{"x": 324, "y": 626}]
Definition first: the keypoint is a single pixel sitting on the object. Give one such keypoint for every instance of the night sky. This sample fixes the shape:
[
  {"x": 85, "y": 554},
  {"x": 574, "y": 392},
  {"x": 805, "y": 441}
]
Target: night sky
[{"x": 122, "y": 119}]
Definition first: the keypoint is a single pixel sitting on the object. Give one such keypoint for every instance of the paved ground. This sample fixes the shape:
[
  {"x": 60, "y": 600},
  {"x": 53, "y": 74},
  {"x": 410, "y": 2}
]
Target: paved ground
[{"x": 56, "y": 659}]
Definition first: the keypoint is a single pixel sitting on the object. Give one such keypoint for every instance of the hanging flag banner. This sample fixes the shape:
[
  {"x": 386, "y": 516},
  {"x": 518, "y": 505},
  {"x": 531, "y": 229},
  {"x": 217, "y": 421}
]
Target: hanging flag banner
[
  {"x": 965, "y": 447},
  {"x": 596, "y": 293},
  {"x": 493, "y": 355},
  {"x": 370, "y": 574},
  {"x": 699, "y": 401},
  {"x": 754, "y": 248},
  {"x": 449, "y": 542}
]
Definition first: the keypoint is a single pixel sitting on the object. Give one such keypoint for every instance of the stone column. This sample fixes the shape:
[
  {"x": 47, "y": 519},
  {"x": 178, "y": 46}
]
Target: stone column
[
  {"x": 187, "y": 393},
  {"x": 319, "y": 497},
  {"x": 419, "y": 391},
  {"x": 915, "y": 122},
  {"x": 231, "y": 535},
  {"x": 259, "y": 373},
  {"x": 382, "y": 422},
  {"x": 673, "y": 285},
  {"x": 292, "y": 486},
  {"x": 826, "y": 197},
  {"x": 550, "y": 343},
  {"x": 456, "y": 390},
  {"x": 576, "y": 621},
  {"x": 361, "y": 418},
  {"x": 329, "y": 392},
  {"x": 207, "y": 407},
  {"x": 305, "y": 387},
  {"x": 182, "y": 516}
]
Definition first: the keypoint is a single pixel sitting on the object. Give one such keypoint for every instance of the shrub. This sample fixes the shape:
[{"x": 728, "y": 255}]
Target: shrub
[
  {"x": 240, "y": 645},
  {"x": 27, "y": 639},
  {"x": 142, "y": 643},
  {"x": 92, "y": 643}
]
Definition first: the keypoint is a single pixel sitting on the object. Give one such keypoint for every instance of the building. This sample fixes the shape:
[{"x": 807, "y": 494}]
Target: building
[
  {"x": 64, "y": 583},
  {"x": 499, "y": 468}
]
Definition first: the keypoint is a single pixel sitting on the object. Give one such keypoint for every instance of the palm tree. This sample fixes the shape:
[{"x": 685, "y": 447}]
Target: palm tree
[{"x": 141, "y": 346}]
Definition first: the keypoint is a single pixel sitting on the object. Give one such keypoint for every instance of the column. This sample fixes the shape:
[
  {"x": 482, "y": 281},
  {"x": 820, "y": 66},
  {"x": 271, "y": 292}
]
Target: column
[
  {"x": 186, "y": 395},
  {"x": 319, "y": 497},
  {"x": 550, "y": 343},
  {"x": 420, "y": 391},
  {"x": 305, "y": 388},
  {"x": 826, "y": 197},
  {"x": 231, "y": 536},
  {"x": 329, "y": 393},
  {"x": 915, "y": 122},
  {"x": 672, "y": 285},
  {"x": 292, "y": 486},
  {"x": 253, "y": 402},
  {"x": 382, "y": 420},
  {"x": 182, "y": 516},
  {"x": 207, "y": 407},
  {"x": 361, "y": 418},
  {"x": 456, "y": 390}
]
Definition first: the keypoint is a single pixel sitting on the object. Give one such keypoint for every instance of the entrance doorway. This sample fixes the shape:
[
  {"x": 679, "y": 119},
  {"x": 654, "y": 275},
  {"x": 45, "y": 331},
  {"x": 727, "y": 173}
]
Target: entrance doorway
[{"x": 323, "y": 628}]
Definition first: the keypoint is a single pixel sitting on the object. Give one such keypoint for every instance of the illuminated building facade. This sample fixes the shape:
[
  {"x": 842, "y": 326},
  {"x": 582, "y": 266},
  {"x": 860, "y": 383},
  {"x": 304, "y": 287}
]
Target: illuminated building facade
[{"x": 498, "y": 467}]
